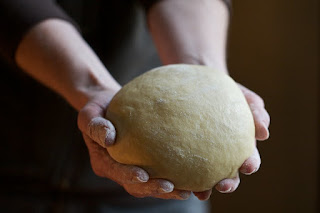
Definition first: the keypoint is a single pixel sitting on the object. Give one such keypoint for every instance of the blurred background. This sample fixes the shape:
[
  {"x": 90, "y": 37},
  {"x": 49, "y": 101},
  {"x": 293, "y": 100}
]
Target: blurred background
[{"x": 274, "y": 50}]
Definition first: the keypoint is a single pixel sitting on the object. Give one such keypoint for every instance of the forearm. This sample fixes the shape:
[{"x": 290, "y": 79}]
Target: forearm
[
  {"x": 54, "y": 53},
  {"x": 190, "y": 31}
]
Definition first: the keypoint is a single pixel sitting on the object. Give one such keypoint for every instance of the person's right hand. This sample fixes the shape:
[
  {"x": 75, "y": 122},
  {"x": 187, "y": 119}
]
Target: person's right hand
[{"x": 99, "y": 133}]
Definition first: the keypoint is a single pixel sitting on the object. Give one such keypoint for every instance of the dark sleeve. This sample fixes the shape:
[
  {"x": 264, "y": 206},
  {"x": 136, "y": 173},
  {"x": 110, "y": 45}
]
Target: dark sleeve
[
  {"x": 18, "y": 16},
  {"x": 147, "y": 4}
]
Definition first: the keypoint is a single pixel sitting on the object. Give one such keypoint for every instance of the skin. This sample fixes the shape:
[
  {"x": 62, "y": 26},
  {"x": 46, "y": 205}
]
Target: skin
[
  {"x": 195, "y": 32},
  {"x": 187, "y": 31}
]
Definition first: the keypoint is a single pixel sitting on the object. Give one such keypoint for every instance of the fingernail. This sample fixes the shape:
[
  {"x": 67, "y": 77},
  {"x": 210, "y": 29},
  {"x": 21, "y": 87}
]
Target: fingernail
[
  {"x": 226, "y": 191},
  {"x": 166, "y": 187},
  {"x": 255, "y": 170},
  {"x": 249, "y": 173},
  {"x": 184, "y": 195},
  {"x": 142, "y": 178},
  {"x": 110, "y": 137}
]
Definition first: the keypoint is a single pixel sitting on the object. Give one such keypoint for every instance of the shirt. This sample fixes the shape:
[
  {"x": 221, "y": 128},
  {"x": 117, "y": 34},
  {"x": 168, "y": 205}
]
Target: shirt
[{"x": 42, "y": 152}]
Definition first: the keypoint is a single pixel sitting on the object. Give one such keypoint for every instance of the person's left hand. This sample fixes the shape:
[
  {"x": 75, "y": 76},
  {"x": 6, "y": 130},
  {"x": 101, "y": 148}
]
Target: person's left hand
[
  {"x": 99, "y": 133},
  {"x": 252, "y": 164}
]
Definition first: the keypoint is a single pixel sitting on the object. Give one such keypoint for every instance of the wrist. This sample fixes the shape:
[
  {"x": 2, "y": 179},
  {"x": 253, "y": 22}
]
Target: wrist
[
  {"x": 205, "y": 60},
  {"x": 190, "y": 32},
  {"x": 97, "y": 93}
]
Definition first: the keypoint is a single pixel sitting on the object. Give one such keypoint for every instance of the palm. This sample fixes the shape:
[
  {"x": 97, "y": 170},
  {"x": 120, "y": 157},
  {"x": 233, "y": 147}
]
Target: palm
[{"x": 99, "y": 133}]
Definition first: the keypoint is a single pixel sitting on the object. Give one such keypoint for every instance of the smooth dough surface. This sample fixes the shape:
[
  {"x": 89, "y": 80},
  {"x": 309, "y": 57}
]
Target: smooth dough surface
[{"x": 188, "y": 124}]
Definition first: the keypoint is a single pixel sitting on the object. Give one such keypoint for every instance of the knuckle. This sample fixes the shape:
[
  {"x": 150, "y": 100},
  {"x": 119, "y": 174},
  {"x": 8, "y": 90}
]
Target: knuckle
[
  {"x": 81, "y": 119},
  {"x": 98, "y": 172},
  {"x": 267, "y": 117},
  {"x": 257, "y": 99},
  {"x": 260, "y": 100},
  {"x": 254, "y": 98}
]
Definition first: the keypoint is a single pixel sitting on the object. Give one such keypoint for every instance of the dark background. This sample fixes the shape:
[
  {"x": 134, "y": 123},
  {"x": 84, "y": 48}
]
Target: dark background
[{"x": 274, "y": 50}]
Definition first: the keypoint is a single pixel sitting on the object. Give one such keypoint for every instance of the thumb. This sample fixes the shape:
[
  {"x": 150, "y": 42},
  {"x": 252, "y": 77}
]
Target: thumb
[{"x": 92, "y": 123}]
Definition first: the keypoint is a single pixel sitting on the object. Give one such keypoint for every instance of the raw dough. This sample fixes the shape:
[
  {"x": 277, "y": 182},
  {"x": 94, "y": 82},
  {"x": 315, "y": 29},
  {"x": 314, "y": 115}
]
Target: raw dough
[{"x": 188, "y": 124}]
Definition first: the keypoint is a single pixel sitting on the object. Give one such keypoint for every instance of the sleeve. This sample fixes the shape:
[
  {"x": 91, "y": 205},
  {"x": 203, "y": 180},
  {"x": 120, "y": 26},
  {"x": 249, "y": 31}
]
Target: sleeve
[
  {"x": 147, "y": 4},
  {"x": 18, "y": 16}
]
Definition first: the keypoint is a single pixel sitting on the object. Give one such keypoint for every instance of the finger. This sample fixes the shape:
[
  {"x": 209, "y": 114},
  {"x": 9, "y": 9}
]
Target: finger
[
  {"x": 102, "y": 131},
  {"x": 261, "y": 121},
  {"x": 228, "y": 185},
  {"x": 153, "y": 187},
  {"x": 157, "y": 188},
  {"x": 91, "y": 122},
  {"x": 260, "y": 115},
  {"x": 203, "y": 195},
  {"x": 252, "y": 164},
  {"x": 175, "y": 195},
  {"x": 104, "y": 166}
]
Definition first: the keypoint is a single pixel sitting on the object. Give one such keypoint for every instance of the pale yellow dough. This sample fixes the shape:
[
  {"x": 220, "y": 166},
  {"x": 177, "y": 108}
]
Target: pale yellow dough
[{"x": 188, "y": 124}]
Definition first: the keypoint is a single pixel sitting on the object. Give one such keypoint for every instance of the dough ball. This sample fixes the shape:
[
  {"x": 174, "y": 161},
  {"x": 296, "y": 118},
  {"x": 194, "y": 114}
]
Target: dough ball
[{"x": 188, "y": 124}]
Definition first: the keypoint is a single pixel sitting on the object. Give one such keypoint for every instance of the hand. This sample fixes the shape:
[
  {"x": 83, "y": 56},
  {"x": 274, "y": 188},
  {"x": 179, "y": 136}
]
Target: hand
[
  {"x": 99, "y": 133},
  {"x": 252, "y": 164}
]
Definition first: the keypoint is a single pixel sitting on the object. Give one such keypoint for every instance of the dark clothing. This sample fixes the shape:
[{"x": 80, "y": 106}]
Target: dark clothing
[
  {"x": 43, "y": 153},
  {"x": 18, "y": 16},
  {"x": 44, "y": 163}
]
